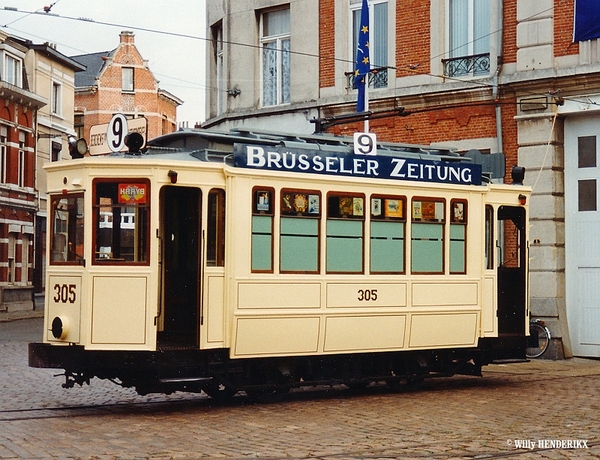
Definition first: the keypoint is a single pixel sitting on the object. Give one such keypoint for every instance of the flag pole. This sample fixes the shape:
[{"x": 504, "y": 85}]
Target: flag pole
[
  {"x": 363, "y": 63},
  {"x": 366, "y": 121}
]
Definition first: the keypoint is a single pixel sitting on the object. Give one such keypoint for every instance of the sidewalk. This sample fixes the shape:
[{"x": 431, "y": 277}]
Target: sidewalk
[
  {"x": 549, "y": 368},
  {"x": 17, "y": 315},
  {"x": 37, "y": 312}
]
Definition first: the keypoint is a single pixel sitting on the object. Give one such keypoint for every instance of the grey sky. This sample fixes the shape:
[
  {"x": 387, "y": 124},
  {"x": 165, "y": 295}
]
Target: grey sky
[{"x": 175, "y": 57}]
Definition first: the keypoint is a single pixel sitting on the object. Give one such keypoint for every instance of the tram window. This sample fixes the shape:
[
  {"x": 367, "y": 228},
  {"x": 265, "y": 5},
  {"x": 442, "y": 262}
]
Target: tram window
[
  {"x": 215, "y": 235},
  {"x": 509, "y": 244},
  {"x": 262, "y": 229},
  {"x": 299, "y": 231},
  {"x": 388, "y": 221},
  {"x": 458, "y": 236},
  {"x": 427, "y": 240},
  {"x": 66, "y": 240},
  {"x": 489, "y": 237},
  {"x": 345, "y": 218},
  {"x": 121, "y": 218}
]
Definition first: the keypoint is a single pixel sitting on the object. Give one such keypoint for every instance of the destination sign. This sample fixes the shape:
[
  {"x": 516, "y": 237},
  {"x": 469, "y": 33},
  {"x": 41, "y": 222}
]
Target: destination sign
[
  {"x": 110, "y": 137},
  {"x": 277, "y": 158}
]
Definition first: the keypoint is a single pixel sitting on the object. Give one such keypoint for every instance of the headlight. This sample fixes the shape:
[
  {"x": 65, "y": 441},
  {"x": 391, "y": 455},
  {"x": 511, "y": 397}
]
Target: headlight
[{"x": 59, "y": 328}]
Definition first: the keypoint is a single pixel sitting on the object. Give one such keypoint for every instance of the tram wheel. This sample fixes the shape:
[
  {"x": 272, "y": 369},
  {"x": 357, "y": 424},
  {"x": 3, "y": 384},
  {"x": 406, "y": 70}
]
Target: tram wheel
[
  {"x": 269, "y": 394},
  {"x": 220, "y": 392},
  {"x": 403, "y": 385},
  {"x": 357, "y": 385}
]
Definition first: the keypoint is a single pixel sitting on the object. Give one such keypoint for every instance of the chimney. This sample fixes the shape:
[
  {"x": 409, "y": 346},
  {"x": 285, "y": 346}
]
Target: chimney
[{"x": 127, "y": 36}]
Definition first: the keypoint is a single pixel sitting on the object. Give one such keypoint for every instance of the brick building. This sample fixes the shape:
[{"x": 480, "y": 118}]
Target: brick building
[
  {"x": 498, "y": 76},
  {"x": 119, "y": 81},
  {"x": 52, "y": 76},
  {"x": 37, "y": 119},
  {"x": 18, "y": 195}
]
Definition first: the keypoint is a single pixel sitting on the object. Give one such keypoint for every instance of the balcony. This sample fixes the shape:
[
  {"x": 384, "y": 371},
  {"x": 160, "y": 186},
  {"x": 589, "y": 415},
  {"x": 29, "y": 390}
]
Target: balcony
[
  {"x": 378, "y": 78},
  {"x": 467, "y": 66}
]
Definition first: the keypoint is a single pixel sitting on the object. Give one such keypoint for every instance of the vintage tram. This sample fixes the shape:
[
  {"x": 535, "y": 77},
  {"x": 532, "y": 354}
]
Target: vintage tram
[{"x": 257, "y": 262}]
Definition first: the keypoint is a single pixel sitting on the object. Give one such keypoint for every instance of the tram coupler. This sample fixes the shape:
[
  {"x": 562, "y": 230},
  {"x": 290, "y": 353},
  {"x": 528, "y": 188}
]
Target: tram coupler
[{"x": 74, "y": 378}]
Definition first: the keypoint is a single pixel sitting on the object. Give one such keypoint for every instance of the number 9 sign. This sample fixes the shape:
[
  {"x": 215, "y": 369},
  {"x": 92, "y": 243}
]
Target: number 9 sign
[
  {"x": 365, "y": 144},
  {"x": 116, "y": 132}
]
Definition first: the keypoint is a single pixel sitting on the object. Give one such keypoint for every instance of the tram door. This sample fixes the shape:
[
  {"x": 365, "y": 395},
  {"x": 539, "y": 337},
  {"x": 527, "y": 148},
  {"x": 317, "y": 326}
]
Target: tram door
[
  {"x": 180, "y": 245},
  {"x": 512, "y": 270}
]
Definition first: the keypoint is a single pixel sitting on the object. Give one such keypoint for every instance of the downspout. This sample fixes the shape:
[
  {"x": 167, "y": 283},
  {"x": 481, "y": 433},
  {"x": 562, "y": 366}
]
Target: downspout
[{"x": 499, "y": 61}]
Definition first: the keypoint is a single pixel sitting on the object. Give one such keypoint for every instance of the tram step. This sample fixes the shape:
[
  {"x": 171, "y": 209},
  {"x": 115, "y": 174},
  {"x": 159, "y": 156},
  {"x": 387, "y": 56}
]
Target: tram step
[
  {"x": 185, "y": 379},
  {"x": 509, "y": 361}
]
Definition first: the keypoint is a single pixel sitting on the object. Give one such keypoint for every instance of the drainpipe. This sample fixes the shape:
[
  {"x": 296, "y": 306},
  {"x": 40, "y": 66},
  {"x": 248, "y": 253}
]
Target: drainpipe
[{"x": 499, "y": 59}]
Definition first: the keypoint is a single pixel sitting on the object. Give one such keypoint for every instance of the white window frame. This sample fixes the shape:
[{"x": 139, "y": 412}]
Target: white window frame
[
  {"x": 283, "y": 93},
  {"x": 56, "y": 98},
  {"x": 220, "y": 68},
  {"x": 3, "y": 152},
  {"x": 12, "y": 250},
  {"x": 21, "y": 158},
  {"x": 471, "y": 47},
  {"x": 127, "y": 79},
  {"x": 355, "y": 8},
  {"x": 12, "y": 69},
  {"x": 25, "y": 258}
]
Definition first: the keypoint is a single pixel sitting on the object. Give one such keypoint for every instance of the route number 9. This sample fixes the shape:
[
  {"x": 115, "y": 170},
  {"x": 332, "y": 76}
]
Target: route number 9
[
  {"x": 116, "y": 132},
  {"x": 365, "y": 144}
]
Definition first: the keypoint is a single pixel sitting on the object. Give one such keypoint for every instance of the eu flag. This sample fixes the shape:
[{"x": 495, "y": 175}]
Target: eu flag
[
  {"x": 363, "y": 64},
  {"x": 587, "y": 20}
]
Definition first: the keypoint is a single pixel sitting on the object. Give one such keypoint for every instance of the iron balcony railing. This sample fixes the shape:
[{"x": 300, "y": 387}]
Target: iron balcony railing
[
  {"x": 378, "y": 78},
  {"x": 477, "y": 64}
]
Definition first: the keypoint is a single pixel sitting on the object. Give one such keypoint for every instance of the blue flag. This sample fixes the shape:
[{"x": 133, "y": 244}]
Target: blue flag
[
  {"x": 587, "y": 20},
  {"x": 363, "y": 63}
]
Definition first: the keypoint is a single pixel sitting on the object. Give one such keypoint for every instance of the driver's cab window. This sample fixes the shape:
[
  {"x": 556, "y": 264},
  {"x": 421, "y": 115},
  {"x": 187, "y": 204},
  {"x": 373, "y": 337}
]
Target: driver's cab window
[
  {"x": 66, "y": 230},
  {"x": 121, "y": 221}
]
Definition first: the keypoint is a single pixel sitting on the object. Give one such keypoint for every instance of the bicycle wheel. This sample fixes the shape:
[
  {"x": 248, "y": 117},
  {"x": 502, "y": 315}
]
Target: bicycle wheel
[{"x": 543, "y": 340}]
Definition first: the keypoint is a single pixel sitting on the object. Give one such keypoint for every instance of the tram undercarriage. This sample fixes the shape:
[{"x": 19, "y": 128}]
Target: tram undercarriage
[{"x": 211, "y": 371}]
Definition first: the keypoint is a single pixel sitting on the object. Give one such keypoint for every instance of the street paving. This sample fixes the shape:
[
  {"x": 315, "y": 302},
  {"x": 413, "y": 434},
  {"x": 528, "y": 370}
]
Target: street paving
[{"x": 538, "y": 410}]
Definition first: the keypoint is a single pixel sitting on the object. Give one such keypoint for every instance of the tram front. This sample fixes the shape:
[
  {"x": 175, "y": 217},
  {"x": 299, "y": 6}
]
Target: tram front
[{"x": 100, "y": 283}]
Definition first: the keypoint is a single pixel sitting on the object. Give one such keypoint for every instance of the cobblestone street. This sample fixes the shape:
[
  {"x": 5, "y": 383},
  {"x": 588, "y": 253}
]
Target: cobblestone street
[{"x": 542, "y": 409}]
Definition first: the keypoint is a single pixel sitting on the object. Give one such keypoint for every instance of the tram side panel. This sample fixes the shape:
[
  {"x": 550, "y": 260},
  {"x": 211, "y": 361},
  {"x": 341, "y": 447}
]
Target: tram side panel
[
  {"x": 270, "y": 315},
  {"x": 283, "y": 314}
]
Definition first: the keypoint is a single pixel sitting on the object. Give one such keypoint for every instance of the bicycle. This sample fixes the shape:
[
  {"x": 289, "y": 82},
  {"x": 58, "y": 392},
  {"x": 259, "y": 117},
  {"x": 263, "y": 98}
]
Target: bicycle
[{"x": 539, "y": 339}]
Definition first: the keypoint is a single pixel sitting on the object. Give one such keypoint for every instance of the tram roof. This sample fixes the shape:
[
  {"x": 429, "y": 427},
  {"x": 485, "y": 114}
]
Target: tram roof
[{"x": 209, "y": 145}]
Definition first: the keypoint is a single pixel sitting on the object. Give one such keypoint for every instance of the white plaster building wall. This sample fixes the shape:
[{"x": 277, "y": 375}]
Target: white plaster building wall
[
  {"x": 304, "y": 41},
  {"x": 45, "y": 73},
  {"x": 534, "y": 34},
  {"x": 540, "y": 152},
  {"x": 215, "y": 12},
  {"x": 242, "y": 64},
  {"x": 241, "y": 69},
  {"x": 293, "y": 122}
]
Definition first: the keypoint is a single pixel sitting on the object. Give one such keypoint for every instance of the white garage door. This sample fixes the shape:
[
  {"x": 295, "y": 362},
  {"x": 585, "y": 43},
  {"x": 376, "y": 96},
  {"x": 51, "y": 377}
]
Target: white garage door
[{"x": 582, "y": 227}]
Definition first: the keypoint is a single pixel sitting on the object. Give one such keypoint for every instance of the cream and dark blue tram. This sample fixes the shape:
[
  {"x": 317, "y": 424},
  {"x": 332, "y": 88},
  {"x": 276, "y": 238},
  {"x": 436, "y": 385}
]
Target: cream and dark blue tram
[{"x": 258, "y": 262}]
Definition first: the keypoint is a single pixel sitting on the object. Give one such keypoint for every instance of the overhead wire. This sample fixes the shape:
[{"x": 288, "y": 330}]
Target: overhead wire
[
  {"x": 411, "y": 68},
  {"x": 546, "y": 152},
  {"x": 46, "y": 9}
]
